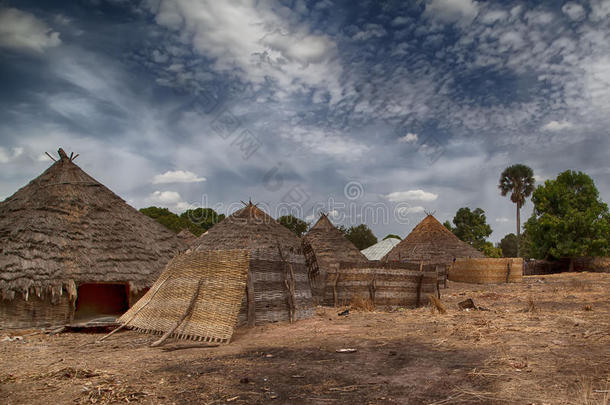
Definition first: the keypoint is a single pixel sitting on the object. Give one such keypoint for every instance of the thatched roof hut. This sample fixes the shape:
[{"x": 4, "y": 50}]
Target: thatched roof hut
[
  {"x": 380, "y": 249},
  {"x": 326, "y": 246},
  {"x": 187, "y": 236},
  {"x": 279, "y": 287},
  {"x": 70, "y": 245},
  {"x": 431, "y": 243}
]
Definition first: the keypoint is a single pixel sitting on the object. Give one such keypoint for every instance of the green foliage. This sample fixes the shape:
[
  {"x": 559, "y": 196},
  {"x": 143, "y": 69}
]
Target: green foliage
[
  {"x": 447, "y": 225},
  {"x": 296, "y": 225},
  {"x": 508, "y": 245},
  {"x": 197, "y": 221},
  {"x": 471, "y": 227},
  {"x": 165, "y": 217},
  {"x": 391, "y": 235},
  {"x": 569, "y": 219},
  {"x": 490, "y": 250},
  {"x": 361, "y": 236},
  {"x": 200, "y": 220}
]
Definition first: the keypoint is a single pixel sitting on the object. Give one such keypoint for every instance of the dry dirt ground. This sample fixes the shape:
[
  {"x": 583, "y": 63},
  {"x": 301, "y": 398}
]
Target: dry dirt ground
[{"x": 543, "y": 341}]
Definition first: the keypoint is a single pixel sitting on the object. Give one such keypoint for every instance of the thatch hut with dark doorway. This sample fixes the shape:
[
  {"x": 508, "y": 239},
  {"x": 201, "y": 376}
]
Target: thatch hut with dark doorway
[
  {"x": 431, "y": 243},
  {"x": 325, "y": 246},
  {"x": 71, "y": 248}
]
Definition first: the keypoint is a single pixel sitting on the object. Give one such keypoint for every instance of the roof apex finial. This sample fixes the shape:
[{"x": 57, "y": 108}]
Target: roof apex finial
[{"x": 62, "y": 154}]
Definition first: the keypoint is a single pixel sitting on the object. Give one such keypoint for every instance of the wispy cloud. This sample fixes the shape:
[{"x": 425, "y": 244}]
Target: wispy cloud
[
  {"x": 411, "y": 195},
  {"x": 22, "y": 30},
  {"x": 177, "y": 176}
]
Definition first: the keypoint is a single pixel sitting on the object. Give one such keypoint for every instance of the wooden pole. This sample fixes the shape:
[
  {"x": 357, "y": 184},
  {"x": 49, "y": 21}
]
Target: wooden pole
[
  {"x": 251, "y": 300},
  {"x": 508, "y": 271},
  {"x": 419, "y": 286}
]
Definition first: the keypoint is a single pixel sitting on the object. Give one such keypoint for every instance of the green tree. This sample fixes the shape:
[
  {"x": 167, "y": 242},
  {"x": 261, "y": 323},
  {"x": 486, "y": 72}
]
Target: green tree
[
  {"x": 199, "y": 220},
  {"x": 509, "y": 245},
  {"x": 569, "y": 219},
  {"x": 391, "y": 235},
  {"x": 447, "y": 225},
  {"x": 471, "y": 227},
  {"x": 165, "y": 217},
  {"x": 296, "y": 225},
  {"x": 490, "y": 250},
  {"x": 361, "y": 236},
  {"x": 518, "y": 180}
]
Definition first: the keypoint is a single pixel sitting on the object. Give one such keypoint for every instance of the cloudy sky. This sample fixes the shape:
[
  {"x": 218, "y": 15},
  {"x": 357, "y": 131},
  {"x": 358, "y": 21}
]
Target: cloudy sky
[{"x": 374, "y": 112}]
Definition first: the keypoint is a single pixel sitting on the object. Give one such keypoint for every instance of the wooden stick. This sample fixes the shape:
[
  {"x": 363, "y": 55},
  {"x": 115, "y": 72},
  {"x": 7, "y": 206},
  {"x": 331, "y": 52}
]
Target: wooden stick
[
  {"x": 135, "y": 313},
  {"x": 188, "y": 311},
  {"x": 419, "y": 286},
  {"x": 508, "y": 271},
  {"x": 52, "y": 158},
  {"x": 250, "y": 300}
]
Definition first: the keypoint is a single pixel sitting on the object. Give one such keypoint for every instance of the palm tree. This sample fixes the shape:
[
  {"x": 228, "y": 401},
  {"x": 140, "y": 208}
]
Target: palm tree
[{"x": 519, "y": 181}]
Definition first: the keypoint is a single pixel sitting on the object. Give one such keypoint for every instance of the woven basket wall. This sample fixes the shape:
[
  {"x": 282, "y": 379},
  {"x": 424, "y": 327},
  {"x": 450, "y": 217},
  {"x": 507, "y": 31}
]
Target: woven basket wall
[
  {"x": 224, "y": 274},
  {"x": 484, "y": 271},
  {"x": 386, "y": 284}
]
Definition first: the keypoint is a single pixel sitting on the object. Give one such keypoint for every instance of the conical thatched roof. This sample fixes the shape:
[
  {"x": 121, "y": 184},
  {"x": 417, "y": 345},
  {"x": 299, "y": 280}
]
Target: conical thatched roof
[
  {"x": 328, "y": 247},
  {"x": 430, "y": 242},
  {"x": 187, "y": 236},
  {"x": 65, "y": 228},
  {"x": 380, "y": 249},
  {"x": 329, "y": 243},
  {"x": 248, "y": 228},
  {"x": 278, "y": 273}
]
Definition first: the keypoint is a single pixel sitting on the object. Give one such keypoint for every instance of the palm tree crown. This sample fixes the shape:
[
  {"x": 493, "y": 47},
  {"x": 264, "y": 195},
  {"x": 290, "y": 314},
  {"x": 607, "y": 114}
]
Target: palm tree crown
[{"x": 519, "y": 181}]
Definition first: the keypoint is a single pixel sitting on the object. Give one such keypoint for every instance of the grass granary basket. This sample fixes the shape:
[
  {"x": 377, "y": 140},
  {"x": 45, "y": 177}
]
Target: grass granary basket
[
  {"x": 324, "y": 246},
  {"x": 64, "y": 238},
  {"x": 488, "y": 270}
]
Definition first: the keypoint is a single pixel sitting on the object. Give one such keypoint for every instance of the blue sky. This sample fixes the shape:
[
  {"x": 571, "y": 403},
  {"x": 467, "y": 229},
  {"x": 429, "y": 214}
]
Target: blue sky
[{"x": 374, "y": 111}]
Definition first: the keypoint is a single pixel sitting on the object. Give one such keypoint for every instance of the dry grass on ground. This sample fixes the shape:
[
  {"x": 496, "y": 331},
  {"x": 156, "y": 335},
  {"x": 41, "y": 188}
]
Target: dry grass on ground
[{"x": 544, "y": 341}]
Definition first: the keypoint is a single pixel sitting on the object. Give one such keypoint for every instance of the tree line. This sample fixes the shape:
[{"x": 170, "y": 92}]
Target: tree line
[{"x": 569, "y": 219}]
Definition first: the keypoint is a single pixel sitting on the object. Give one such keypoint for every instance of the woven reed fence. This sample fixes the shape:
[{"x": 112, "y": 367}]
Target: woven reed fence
[
  {"x": 483, "y": 271},
  {"x": 388, "y": 284},
  {"x": 210, "y": 283}
]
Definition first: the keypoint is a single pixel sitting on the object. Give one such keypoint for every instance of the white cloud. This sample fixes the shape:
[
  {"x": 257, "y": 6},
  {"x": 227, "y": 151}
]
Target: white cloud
[
  {"x": 177, "y": 176},
  {"x": 573, "y": 10},
  {"x": 7, "y": 156},
  {"x": 165, "y": 197},
  {"x": 257, "y": 42},
  {"x": 326, "y": 142},
  {"x": 21, "y": 30},
  {"x": 333, "y": 213},
  {"x": 557, "y": 125},
  {"x": 452, "y": 11},
  {"x": 400, "y": 20},
  {"x": 411, "y": 210},
  {"x": 600, "y": 10},
  {"x": 370, "y": 31},
  {"x": 493, "y": 16},
  {"x": 502, "y": 219},
  {"x": 408, "y": 138},
  {"x": 411, "y": 195}
]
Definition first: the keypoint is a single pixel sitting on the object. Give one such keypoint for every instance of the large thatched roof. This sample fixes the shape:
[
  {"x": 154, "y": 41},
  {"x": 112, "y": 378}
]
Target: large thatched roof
[
  {"x": 248, "y": 228},
  {"x": 64, "y": 228},
  {"x": 329, "y": 243},
  {"x": 430, "y": 242}
]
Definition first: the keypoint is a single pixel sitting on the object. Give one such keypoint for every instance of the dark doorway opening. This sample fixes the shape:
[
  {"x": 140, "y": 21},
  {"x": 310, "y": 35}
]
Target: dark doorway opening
[{"x": 98, "y": 300}]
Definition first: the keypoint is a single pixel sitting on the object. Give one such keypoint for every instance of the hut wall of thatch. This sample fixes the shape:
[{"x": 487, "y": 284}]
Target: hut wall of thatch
[
  {"x": 36, "y": 312},
  {"x": 65, "y": 228},
  {"x": 328, "y": 247},
  {"x": 384, "y": 284},
  {"x": 430, "y": 242},
  {"x": 488, "y": 270},
  {"x": 277, "y": 271}
]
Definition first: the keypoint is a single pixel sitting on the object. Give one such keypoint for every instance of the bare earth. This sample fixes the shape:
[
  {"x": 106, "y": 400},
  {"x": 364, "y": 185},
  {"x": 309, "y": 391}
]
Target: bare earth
[{"x": 544, "y": 341}]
